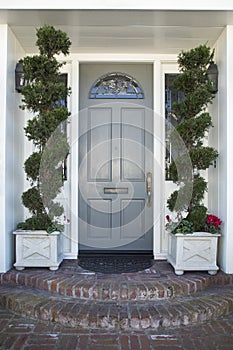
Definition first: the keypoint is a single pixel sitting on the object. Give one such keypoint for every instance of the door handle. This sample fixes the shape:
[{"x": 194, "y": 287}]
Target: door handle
[{"x": 149, "y": 188}]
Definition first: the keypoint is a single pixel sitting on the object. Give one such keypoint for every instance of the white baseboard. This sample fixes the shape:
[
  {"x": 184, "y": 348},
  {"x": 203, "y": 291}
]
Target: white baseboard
[
  {"x": 160, "y": 256},
  {"x": 70, "y": 256}
]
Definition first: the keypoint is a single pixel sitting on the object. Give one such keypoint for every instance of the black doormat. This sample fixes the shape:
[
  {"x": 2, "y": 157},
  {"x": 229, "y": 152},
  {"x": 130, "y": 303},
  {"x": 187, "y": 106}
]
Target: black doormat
[{"x": 115, "y": 264}]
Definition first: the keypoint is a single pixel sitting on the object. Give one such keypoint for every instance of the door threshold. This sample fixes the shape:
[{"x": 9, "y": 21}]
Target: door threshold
[{"x": 102, "y": 253}]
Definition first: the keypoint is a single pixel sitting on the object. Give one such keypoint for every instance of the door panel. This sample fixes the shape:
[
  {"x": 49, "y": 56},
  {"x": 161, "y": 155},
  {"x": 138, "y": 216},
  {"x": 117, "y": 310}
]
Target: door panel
[
  {"x": 115, "y": 155},
  {"x": 99, "y": 218},
  {"x": 130, "y": 210},
  {"x": 133, "y": 144},
  {"x": 99, "y": 144}
]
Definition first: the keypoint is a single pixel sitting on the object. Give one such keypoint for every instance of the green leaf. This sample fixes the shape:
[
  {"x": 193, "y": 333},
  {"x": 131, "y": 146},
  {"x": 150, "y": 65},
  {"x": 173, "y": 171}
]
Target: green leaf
[
  {"x": 189, "y": 136},
  {"x": 44, "y": 96}
]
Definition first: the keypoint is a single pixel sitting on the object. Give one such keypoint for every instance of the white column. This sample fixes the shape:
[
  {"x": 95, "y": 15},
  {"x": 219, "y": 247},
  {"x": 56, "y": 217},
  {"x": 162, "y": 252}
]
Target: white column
[
  {"x": 11, "y": 147},
  {"x": 158, "y": 174},
  {"x": 3, "y": 64},
  {"x": 224, "y": 58},
  {"x": 74, "y": 134}
]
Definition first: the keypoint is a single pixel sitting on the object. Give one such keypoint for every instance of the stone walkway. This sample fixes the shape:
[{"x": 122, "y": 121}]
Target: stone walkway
[{"x": 153, "y": 309}]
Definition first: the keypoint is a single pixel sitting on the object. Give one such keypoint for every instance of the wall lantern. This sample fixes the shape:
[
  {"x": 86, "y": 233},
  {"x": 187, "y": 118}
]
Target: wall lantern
[
  {"x": 212, "y": 75},
  {"x": 19, "y": 76}
]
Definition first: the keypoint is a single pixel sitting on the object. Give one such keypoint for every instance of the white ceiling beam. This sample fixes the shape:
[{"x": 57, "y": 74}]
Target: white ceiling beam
[{"x": 118, "y": 4}]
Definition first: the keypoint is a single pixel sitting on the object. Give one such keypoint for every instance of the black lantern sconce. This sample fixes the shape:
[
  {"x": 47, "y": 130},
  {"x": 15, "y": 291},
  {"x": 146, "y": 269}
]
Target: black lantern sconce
[
  {"x": 19, "y": 76},
  {"x": 212, "y": 75}
]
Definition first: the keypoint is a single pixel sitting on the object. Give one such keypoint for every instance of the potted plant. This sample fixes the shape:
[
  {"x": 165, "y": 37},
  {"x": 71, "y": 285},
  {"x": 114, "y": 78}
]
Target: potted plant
[
  {"x": 38, "y": 238},
  {"x": 194, "y": 233}
]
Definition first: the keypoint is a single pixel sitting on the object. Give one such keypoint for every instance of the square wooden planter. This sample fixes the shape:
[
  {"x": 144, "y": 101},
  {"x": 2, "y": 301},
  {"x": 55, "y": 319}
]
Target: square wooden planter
[
  {"x": 193, "y": 252},
  {"x": 38, "y": 249}
]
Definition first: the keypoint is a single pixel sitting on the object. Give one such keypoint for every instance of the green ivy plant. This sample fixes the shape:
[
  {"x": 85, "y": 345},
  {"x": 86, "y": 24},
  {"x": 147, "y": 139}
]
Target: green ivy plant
[
  {"x": 42, "y": 97},
  {"x": 194, "y": 123}
]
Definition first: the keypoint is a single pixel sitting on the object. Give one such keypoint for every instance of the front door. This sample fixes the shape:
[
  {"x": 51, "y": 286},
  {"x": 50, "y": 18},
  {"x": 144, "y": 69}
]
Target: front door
[{"x": 115, "y": 158}]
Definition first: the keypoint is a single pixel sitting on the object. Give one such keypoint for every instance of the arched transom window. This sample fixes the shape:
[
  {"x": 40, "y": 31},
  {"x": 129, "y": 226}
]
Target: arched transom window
[{"x": 116, "y": 85}]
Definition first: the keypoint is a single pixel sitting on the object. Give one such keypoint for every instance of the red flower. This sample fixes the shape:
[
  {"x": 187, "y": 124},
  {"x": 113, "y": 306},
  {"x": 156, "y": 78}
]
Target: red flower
[{"x": 213, "y": 220}]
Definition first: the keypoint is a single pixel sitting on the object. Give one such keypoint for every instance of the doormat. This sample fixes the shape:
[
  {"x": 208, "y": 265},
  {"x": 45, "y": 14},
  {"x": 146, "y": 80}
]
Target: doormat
[{"x": 115, "y": 264}]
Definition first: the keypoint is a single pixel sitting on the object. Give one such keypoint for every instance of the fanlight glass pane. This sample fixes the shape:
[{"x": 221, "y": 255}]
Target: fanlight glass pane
[{"x": 116, "y": 85}]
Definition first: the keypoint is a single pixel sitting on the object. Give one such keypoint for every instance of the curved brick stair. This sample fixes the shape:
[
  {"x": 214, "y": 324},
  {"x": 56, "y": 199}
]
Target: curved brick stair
[
  {"x": 148, "y": 299},
  {"x": 75, "y": 312},
  {"x": 158, "y": 282}
]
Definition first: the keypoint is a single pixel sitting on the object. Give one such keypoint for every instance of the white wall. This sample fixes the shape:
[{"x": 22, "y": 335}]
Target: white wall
[
  {"x": 224, "y": 58},
  {"x": 11, "y": 147}
]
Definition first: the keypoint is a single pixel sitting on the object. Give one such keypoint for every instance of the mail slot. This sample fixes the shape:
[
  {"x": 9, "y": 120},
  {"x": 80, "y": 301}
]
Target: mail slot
[{"x": 114, "y": 190}]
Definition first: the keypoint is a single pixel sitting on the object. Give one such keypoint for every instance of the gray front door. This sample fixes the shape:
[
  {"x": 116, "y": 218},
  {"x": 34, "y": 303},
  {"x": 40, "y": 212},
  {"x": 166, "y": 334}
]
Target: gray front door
[{"x": 115, "y": 158}]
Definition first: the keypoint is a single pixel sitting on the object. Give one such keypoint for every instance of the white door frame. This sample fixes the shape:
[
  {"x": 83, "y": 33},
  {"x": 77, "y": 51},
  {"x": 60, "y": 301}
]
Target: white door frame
[{"x": 73, "y": 132}]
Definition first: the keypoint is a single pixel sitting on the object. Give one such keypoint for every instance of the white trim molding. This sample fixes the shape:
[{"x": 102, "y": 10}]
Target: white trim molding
[{"x": 159, "y": 248}]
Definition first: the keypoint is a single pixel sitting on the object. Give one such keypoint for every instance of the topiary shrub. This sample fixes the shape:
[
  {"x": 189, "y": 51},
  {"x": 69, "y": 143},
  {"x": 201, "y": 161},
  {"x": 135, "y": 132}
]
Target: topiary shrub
[
  {"x": 42, "y": 97},
  {"x": 194, "y": 124}
]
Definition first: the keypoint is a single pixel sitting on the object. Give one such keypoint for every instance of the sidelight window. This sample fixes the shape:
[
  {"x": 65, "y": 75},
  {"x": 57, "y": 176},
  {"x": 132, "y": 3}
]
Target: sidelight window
[{"x": 171, "y": 96}]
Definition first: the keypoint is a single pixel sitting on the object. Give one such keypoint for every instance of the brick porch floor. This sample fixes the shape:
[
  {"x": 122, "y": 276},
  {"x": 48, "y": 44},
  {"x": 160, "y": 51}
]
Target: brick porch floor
[{"x": 76, "y": 309}]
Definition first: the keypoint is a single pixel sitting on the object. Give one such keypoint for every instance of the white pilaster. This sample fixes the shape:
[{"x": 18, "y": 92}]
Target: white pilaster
[
  {"x": 3, "y": 76},
  {"x": 224, "y": 58}
]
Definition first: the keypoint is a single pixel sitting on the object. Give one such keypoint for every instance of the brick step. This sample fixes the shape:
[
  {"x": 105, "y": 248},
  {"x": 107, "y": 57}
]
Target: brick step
[
  {"x": 148, "y": 285},
  {"x": 118, "y": 315}
]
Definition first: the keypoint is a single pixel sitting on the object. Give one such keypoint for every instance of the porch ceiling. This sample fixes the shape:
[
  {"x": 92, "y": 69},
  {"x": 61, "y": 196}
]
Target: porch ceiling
[{"x": 165, "y": 32}]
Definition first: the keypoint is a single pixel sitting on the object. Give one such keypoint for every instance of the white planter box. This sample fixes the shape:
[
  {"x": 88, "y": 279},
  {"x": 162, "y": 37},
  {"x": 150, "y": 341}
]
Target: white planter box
[
  {"x": 193, "y": 252},
  {"x": 38, "y": 249}
]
